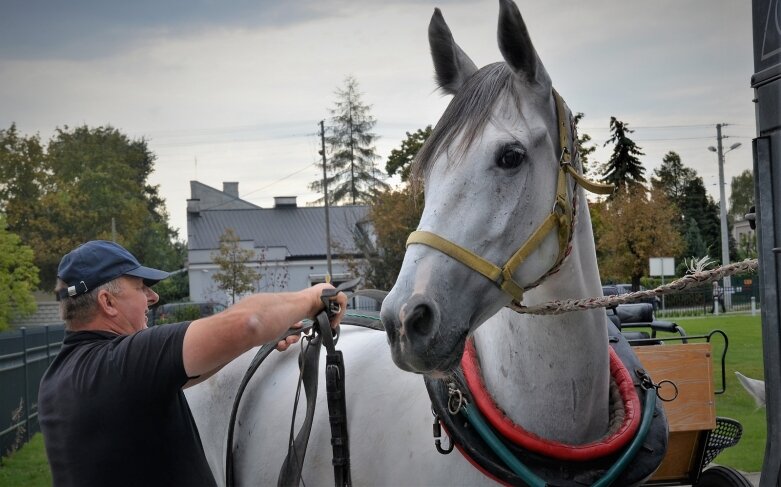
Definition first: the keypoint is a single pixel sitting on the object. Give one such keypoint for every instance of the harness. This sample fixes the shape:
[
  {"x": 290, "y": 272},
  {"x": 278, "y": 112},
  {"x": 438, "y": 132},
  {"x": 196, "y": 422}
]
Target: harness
[
  {"x": 321, "y": 336},
  {"x": 496, "y": 449},
  {"x": 560, "y": 219}
]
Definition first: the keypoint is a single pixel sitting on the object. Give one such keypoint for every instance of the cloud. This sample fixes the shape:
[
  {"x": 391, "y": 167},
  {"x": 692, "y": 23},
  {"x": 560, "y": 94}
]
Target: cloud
[{"x": 88, "y": 29}]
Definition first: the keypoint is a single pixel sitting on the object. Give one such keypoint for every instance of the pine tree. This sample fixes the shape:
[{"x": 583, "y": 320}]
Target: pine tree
[
  {"x": 672, "y": 177},
  {"x": 697, "y": 205},
  {"x": 584, "y": 150},
  {"x": 352, "y": 175},
  {"x": 624, "y": 169}
]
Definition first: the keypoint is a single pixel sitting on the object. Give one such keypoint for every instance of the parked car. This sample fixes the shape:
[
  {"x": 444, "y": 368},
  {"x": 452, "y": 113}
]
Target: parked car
[
  {"x": 175, "y": 312},
  {"x": 618, "y": 289}
]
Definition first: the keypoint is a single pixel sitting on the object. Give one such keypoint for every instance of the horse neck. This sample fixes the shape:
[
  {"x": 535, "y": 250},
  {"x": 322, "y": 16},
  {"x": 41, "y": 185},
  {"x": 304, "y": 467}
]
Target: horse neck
[{"x": 550, "y": 374}]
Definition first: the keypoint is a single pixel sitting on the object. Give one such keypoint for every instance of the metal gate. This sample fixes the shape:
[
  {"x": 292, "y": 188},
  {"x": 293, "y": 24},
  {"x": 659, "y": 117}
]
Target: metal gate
[{"x": 24, "y": 356}]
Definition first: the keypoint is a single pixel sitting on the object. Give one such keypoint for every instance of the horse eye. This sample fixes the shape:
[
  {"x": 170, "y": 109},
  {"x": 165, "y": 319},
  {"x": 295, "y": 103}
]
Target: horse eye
[{"x": 511, "y": 157}]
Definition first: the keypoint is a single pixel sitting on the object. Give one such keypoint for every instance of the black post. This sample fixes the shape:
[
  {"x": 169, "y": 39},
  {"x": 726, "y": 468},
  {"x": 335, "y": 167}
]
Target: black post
[
  {"x": 26, "y": 384},
  {"x": 766, "y": 83}
]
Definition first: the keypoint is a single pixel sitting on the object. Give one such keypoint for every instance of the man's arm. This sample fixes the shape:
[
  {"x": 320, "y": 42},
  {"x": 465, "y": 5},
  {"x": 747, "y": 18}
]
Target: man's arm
[{"x": 212, "y": 342}]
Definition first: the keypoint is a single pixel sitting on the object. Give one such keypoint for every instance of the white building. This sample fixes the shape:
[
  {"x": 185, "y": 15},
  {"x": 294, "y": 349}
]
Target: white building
[{"x": 289, "y": 241}]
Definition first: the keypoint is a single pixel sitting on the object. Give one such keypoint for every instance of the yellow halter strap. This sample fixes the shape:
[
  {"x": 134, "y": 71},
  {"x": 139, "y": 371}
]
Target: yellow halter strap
[{"x": 561, "y": 218}]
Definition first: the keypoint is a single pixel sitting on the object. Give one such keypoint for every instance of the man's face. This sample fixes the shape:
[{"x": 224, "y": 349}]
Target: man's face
[{"x": 133, "y": 303}]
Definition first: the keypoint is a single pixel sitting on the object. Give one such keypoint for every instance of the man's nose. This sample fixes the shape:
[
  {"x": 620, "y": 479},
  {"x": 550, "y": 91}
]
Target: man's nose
[{"x": 151, "y": 296}]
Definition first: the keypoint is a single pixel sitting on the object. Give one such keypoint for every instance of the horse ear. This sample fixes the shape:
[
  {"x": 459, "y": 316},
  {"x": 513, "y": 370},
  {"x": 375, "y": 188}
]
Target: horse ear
[
  {"x": 452, "y": 66},
  {"x": 516, "y": 44}
]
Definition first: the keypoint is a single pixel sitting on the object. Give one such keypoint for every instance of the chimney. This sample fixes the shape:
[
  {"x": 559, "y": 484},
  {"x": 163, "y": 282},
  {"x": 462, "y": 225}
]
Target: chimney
[
  {"x": 194, "y": 206},
  {"x": 231, "y": 189},
  {"x": 285, "y": 202}
]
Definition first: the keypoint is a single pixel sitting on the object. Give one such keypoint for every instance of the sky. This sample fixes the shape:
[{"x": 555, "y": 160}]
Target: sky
[{"x": 234, "y": 90}]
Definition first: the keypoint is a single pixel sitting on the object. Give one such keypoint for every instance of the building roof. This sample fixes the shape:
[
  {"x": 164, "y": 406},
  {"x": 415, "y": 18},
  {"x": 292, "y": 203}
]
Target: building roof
[{"x": 300, "y": 229}]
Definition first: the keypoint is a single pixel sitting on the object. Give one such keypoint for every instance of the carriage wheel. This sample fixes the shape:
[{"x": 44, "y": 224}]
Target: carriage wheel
[{"x": 720, "y": 476}]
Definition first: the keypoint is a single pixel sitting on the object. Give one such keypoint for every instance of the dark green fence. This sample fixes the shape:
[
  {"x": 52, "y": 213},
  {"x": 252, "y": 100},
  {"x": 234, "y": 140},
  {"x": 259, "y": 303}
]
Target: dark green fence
[
  {"x": 699, "y": 302},
  {"x": 24, "y": 356}
]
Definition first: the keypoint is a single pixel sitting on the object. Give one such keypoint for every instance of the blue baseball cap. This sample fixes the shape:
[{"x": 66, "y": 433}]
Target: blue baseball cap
[{"x": 98, "y": 262}]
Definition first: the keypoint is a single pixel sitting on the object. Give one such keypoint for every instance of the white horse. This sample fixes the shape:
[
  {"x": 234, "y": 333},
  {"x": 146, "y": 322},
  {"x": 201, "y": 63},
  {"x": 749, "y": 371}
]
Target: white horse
[{"x": 493, "y": 185}]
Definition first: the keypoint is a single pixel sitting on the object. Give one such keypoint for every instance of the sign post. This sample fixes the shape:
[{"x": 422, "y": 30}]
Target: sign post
[{"x": 661, "y": 266}]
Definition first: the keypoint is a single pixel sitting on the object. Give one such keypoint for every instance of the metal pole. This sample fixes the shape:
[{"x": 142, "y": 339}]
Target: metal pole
[
  {"x": 723, "y": 213},
  {"x": 325, "y": 199},
  {"x": 26, "y": 385}
]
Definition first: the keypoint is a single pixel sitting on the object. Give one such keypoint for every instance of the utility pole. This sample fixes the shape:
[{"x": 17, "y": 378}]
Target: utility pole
[
  {"x": 727, "y": 283},
  {"x": 723, "y": 214},
  {"x": 325, "y": 200}
]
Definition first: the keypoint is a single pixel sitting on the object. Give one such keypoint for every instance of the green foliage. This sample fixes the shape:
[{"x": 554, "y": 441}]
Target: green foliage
[
  {"x": 235, "y": 277},
  {"x": 400, "y": 160},
  {"x": 641, "y": 226},
  {"x": 624, "y": 170},
  {"x": 672, "y": 177},
  {"x": 352, "y": 177},
  {"x": 741, "y": 197},
  {"x": 747, "y": 246},
  {"x": 72, "y": 192},
  {"x": 695, "y": 246},
  {"x": 697, "y": 205},
  {"x": 18, "y": 277},
  {"x": 182, "y": 313},
  {"x": 393, "y": 215},
  {"x": 27, "y": 467},
  {"x": 584, "y": 150}
]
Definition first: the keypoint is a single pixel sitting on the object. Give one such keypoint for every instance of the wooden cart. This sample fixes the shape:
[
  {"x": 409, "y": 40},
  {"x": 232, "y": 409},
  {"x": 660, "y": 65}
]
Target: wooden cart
[{"x": 683, "y": 366}]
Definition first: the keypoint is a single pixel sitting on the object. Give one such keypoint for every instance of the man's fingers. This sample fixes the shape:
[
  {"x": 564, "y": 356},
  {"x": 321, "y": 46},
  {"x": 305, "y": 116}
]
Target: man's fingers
[{"x": 283, "y": 345}]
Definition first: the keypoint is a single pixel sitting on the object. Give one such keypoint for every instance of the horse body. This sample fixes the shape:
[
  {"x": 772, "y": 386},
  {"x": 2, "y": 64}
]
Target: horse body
[
  {"x": 491, "y": 169},
  {"x": 389, "y": 419}
]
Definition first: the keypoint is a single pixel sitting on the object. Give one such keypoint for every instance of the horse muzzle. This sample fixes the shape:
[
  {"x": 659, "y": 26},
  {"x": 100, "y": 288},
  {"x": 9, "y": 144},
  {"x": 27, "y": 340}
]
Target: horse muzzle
[{"x": 415, "y": 335}]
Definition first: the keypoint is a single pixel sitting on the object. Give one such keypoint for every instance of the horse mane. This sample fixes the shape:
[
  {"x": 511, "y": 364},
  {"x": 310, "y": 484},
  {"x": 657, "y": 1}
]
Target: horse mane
[{"x": 468, "y": 112}]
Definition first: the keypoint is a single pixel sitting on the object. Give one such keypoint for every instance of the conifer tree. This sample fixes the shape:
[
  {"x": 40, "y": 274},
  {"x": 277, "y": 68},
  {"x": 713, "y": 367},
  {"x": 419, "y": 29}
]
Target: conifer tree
[
  {"x": 352, "y": 175},
  {"x": 624, "y": 169}
]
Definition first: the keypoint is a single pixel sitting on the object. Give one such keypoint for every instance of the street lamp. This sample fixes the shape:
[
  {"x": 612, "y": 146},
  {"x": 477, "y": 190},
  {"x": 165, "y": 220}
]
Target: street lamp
[{"x": 723, "y": 213}]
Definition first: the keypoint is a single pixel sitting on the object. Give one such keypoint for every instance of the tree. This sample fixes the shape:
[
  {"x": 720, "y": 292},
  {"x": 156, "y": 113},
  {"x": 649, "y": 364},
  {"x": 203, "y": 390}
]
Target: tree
[
  {"x": 672, "y": 177},
  {"x": 352, "y": 176},
  {"x": 624, "y": 170},
  {"x": 235, "y": 277},
  {"x": 18, "y": 277},
  {"x": 23, "y": 173},
  {"x": 697, "y": 205},
  {"x": 72, "y": 192},
  {"x": 393, "y": 216},
  {"x": 641, "y": 227},
  {"x": 582, "y": 142},
  {"x": 741, "y": 197},
  {"x": 694, "y": 245},
  {"x": 400, "y": 160}
]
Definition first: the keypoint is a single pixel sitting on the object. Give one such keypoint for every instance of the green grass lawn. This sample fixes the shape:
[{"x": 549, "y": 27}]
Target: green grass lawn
[
  {"x": 744, "y": 355},
  {"x": 28, "y": 466}
]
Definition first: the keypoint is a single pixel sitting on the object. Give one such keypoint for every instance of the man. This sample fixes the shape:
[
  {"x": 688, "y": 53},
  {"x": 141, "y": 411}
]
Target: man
[
  {"x": 111, "y": 406},
  {"x": 718, "y": 296}
]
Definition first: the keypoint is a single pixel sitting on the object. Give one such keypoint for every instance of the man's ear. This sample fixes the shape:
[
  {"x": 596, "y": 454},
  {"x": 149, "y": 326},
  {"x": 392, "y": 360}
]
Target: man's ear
[{"x": 107, "y": 302}]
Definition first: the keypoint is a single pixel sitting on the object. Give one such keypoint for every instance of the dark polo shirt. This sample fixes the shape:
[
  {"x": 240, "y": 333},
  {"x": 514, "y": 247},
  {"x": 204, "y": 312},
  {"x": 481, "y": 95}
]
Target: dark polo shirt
[{"x": 112, "y": 411}]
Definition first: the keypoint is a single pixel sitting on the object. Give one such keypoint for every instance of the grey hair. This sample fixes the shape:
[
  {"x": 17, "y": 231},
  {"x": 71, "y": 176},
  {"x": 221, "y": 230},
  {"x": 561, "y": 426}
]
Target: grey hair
[
  {"x": 82, "y": 308},
  {"x": 468, "y": 113}
]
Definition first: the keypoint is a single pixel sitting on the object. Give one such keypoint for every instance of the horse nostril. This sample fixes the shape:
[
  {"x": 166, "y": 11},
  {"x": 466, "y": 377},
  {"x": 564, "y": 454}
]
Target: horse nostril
[{"x": 421, "y": 321}]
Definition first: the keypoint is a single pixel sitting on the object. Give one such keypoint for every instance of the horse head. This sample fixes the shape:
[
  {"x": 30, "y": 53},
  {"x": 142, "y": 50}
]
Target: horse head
[{"x": 491, "y": 173}]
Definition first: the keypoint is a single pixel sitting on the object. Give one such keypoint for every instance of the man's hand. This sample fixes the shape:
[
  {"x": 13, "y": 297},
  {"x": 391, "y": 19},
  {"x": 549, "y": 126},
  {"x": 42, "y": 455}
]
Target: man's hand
[{"x": 289, "y": 340}]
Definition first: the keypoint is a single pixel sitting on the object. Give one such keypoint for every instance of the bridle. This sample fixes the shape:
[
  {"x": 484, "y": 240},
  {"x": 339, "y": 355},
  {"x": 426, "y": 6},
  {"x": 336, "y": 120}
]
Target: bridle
[{"x": 561, "y": 218}]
